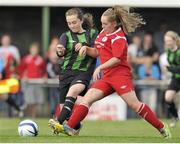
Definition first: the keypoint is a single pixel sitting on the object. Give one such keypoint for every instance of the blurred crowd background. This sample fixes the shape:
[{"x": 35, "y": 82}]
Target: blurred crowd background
[{"x": 21, "y": 42}]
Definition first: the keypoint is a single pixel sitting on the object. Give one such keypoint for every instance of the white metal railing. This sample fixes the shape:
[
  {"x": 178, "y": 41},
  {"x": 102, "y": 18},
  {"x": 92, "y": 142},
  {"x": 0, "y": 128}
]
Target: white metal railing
[{"x": 162, "y": 84}]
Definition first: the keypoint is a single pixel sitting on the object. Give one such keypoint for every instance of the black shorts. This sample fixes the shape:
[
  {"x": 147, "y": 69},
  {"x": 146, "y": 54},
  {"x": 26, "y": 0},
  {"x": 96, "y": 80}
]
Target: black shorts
[
  {"x": 174, "y": 84},
  {"x": 69, "y": 78}
]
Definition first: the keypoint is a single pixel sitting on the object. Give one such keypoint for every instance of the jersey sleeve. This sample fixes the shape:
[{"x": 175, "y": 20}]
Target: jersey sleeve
[
  {"x": 63, "y": 39},
  {"x": 119, "y": 46}
]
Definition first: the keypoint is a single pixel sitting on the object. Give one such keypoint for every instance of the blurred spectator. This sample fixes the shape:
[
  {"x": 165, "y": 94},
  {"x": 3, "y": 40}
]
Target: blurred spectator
[
  {"x": 11, "y": 71},
  {"x": 52, "y": 47},
  {"x": 10, "y": 58},
  {"x": 148, "y": 49},
  {"x": 132, "y": 53},
  {"x": 134, "y": 46},
  {"x": 149, "y": 71},
  {"x": 32, "y": 67},
  {"x": 7, "y": 49},
  {"x": 11, "y": 68},
  {"x": 158, "y": 36},
  {"x": 53, "y": 70}
]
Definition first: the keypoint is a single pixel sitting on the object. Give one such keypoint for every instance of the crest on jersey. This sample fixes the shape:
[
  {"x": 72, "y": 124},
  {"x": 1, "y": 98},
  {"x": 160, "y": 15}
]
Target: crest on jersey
[{"x": 104, "y": 39}]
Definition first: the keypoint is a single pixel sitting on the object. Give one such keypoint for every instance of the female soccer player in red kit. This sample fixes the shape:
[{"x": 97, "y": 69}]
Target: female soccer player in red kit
[{"x": 111, "y": 45}]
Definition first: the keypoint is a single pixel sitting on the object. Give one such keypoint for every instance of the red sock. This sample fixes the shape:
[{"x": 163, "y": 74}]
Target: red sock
[
  {"x": 57, "y": 111},
  {"x": 78, "y": 115},
  {"x": 146, "y": 113}
]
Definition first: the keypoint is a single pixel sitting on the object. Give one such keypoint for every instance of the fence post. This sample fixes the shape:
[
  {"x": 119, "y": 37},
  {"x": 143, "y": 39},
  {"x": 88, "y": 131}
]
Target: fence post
[{"x": 45, "y": 28}]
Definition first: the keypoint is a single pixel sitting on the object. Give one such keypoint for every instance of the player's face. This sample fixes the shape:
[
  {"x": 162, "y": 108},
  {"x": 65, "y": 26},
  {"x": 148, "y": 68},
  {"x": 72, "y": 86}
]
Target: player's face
[
  {"x": 170, "y": 43},
  {"x": 108, "y": 26},
  {"x": 34, "y": 50},
  {"x": 5, "y": 40},
  {"x": 74, "y": 23}
]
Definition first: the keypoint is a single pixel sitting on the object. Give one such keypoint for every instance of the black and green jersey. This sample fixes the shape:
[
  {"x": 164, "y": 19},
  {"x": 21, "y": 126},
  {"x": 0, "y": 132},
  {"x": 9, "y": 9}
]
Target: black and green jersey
[
  {"x": 72, "y": 60},
  {"x": 174, "y": 62}
]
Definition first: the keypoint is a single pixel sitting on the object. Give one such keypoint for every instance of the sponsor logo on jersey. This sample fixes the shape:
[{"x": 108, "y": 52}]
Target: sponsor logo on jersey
[
  {"x": 123, "y": 86},
  {"x": 104, "y": 39}
]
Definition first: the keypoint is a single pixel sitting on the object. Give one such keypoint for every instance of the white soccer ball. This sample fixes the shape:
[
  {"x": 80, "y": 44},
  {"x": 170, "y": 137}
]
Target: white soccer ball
[{"x": 28, "y": 128}]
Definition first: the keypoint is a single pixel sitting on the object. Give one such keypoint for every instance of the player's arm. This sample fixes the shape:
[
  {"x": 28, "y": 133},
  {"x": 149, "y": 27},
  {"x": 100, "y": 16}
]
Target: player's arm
[
  {"x": 85, "y": 50},
  {"x": 110, "y": 63},
  {"x": 119, "y": 47},
  {"x": 174, "y": 69}
]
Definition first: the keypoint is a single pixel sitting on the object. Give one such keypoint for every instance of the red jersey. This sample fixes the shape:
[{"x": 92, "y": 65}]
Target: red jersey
[
  {"x": 113, "y": 45},
  {"x": 33, "y": 67}
]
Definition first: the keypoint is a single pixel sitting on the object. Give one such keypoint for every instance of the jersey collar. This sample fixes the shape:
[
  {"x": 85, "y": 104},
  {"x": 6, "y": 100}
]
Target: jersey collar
[{"x": 119, "y": 29}]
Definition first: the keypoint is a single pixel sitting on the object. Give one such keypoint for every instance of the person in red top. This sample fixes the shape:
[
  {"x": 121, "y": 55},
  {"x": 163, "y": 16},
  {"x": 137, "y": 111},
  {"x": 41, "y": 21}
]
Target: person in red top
[
  {"x": 111, "y": 45},
  {"x": 33, "y": 67}
]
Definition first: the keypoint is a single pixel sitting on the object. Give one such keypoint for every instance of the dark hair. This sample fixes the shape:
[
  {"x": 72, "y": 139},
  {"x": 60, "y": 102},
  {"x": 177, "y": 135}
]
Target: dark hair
[
  {"x": 87, "y": 17},
  {"x": 75, "y": 11},
  {"x": 88, "y": 20}
]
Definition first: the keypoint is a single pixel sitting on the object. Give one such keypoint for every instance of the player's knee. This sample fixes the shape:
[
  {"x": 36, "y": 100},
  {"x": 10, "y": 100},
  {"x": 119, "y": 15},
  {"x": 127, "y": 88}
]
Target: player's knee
[
  {"x": 89, "y": 98},
  {"x": 135, "y": 106},
  {"x": 86, "y": 102},
  {"x": 168, "y": 97}
]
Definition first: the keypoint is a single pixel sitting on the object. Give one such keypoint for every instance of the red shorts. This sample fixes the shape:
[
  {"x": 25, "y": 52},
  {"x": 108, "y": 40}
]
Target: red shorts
[{"x": 119, "y": 84}]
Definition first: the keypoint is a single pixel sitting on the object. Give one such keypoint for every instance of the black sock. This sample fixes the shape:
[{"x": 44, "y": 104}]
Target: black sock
[
  {"x": 67, "y": 109},
  {"x": 12, "y": 103},
  {"x": 172, "y": 109}
]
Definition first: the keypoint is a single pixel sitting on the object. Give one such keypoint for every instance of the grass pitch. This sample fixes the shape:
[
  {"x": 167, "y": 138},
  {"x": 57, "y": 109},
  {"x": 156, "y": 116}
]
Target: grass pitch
[{"x": 130, "y": 131}]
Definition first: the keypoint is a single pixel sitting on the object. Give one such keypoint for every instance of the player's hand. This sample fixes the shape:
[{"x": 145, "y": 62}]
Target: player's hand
[
  {"x": 78, "y": 47},
  {"x": 60, "y": 49},
  {"x": 96, "y": 74},
  {"x": 82, "y": 51}
]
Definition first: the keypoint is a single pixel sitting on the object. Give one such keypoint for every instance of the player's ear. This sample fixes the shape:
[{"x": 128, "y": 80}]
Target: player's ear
[{"x": 114, "y": 23}]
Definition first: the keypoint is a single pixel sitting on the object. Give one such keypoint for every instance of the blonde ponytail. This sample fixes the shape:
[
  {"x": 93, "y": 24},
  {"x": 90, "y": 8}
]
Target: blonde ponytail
[{"x": 129, "y": 21}]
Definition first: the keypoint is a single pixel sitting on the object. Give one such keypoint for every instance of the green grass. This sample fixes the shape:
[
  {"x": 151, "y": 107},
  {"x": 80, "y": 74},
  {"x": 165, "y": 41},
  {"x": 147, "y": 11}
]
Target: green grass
[{"x": 130, "y": 131}]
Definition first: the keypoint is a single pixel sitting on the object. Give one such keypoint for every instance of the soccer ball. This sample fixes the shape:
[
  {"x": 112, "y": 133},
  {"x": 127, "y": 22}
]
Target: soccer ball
[{"x": 28, "y": 128}]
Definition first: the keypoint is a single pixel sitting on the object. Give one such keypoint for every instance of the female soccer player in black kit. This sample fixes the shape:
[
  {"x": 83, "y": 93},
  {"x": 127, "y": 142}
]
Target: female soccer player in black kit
[
  {"x": 76, "y": 71},
  {"x": 172, "y": 44}
]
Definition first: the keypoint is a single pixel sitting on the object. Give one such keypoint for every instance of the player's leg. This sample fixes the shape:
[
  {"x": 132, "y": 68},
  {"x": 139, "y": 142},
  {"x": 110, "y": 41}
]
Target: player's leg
[
  {"x": 63, "y": 89},
  {"x": 72, "y": 94},
  {"x": 98, "y": 91},
  {"x": 173, "y": 88},
  {"x": 125, "y": 89},
  {"x": 78, "y": 87},
  {"x": 78, "y": 114},
  {"x": 10, "y": 101},
  {"x": 145, "y": 112},
  {"x": 172, "y": 110},
  {"x": 82, "y": 110},
  {"x": 70, "y": 88}
]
